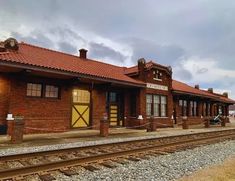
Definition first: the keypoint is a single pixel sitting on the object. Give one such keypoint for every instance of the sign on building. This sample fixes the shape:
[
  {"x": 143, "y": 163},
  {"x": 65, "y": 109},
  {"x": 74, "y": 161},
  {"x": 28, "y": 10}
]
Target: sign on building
[{"x": 157, "y": 86}]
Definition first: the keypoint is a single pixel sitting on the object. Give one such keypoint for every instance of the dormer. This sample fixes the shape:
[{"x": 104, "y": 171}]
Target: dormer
[{"x": 157, "y": 75}]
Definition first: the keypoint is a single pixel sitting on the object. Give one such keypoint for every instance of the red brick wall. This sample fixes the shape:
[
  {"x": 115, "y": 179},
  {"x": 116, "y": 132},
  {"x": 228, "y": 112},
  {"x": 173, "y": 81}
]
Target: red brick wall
[
  {"x": 4, "y": 97},
  {"x": 177, "y": 107},
  {"x": 127, "y": 105},
  {"x": 51, "y": 115},
  {"x": 200, "y": 108},
  {"x": 191, "y": 119},
  {"x": 41, "y": 114},
  {"x": 99, "y": 106},
  {"x": 166, "y": 80}
]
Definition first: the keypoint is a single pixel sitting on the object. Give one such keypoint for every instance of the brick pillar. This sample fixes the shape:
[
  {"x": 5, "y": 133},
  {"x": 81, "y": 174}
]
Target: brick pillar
[
  {"x": 200, "y": 104},
  {"x": 223, "y": 121},
  {"x": 216, "y": 110},
  {"x": 127, "y": 109},
  {"x": 225, "y": 110},
  {"x": 104, "y": 126},
  {"x": 152, "y": 125},
  {"x": 207, "y": 122},
  {"x": 176, "y": 109},
  {"x": 185, "y": 122},
  {"x": 10, "y": 121},
  {"x": 10, "y": 127},
  {"x": 142, "y": 104},
  {"x": 188, "y": 108},
  {"x": 212, "y": 109},
  {"x": 17, "y": 130}
]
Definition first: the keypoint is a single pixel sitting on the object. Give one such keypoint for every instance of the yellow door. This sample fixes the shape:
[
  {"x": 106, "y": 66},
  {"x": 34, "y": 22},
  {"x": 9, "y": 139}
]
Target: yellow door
[
  {"x": 113, "y": 115},
  {"x": 80, "y": 108}
]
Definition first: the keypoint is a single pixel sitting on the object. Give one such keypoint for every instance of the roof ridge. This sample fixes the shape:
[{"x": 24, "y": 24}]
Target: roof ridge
[
  {"x": 67, "y": 54},
  {"x": 155, "y": 63},
  {"x": 214, "y": 93},
  {"x": 48, "y": 49},
  {"x": 195, "y": 88}
]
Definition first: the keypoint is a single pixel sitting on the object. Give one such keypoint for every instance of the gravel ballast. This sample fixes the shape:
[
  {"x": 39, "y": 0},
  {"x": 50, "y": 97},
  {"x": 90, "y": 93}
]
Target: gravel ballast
[
  {"x": 163, "y": 167},
  {"x": 82, "y": 143}
]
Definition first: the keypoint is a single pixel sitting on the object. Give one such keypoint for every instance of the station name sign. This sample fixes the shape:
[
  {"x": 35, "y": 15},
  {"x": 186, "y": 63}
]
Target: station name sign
[{"x": 157, "y": 86}]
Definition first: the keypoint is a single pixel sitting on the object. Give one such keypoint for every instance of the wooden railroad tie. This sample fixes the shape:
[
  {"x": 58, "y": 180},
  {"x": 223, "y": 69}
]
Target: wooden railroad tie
[
  {"x": 108, "y": 164},
  {"x": 46, "y": 177},
  {"x": 90, "y": 168},
  {"x": 122, "y": 161},
  {"x": 68, "y": 172},
  {"x": 133, "y": 159}
]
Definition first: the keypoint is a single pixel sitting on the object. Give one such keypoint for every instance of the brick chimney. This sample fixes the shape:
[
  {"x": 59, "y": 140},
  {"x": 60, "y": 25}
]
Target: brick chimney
[
  {"x": 196, "y": 86},
  {"x": 225, "y": 94},
  {"x": 210, "y": 90},
  {"x": 83, "y": 53},
  {"x": 141, "y": 66}
]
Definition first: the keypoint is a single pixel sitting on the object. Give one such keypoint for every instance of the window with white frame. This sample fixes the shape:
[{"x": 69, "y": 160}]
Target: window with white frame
[
  {"x": 204, "y": 109},
  {"x": 163, "y": 106},
  {"x": 208, "y": 109},
  {"x": 156, "y": 105},
  {"x": 148, "y": 105},
  {"x": 183, "y": 106},
  {"x": 34, "y": 90},
  {"x": 193, "y": 108},
  {"x": 52, "y": 91}
]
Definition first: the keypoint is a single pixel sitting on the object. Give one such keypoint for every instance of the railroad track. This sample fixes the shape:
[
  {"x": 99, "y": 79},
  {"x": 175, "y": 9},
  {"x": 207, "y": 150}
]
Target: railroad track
[{"x": 16, "y": 167}]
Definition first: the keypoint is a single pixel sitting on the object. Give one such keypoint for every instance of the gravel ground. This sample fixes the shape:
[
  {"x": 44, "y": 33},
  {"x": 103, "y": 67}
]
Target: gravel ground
[
  {"x": 82, "y": 143},
  {"x": 162, "y": 168}
]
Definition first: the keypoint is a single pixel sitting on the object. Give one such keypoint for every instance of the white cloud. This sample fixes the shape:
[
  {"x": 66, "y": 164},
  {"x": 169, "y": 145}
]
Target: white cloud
[
  {"x": 207, "y": 71},
  {"x": 211, "y": 70},
  {"x": 202, "y": 28}
]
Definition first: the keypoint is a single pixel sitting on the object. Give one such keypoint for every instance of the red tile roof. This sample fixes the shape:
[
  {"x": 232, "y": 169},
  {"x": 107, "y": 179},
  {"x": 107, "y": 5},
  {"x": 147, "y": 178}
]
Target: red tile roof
[
  {"x": 222, "y": 98},
  {"x": 181, "y": 87},
  {"x": 227, "y": 100},
  {"x": 184, "y": 88},
  {"x": 45, "y": 58}
]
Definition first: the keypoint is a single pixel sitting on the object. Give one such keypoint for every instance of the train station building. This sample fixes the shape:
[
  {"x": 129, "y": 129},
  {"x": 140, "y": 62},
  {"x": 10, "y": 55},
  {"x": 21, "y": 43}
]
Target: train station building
[{"x": 56, "y": 92}]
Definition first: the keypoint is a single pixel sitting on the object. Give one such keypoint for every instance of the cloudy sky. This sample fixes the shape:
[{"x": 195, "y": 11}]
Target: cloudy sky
[{"x": 195, "y": 37}]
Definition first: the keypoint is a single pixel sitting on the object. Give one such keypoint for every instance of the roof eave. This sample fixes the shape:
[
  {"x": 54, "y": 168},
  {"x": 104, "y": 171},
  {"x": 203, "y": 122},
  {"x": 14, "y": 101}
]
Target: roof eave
[
  {"x": 68, "y": 73},
  {"x": 192, "y": 94}
]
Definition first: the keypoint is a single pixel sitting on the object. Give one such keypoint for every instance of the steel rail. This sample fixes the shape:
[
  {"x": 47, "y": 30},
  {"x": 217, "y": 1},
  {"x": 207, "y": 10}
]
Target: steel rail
[
  {"x": 63, "y": 150},
  {"x": 9, "y": 173}
]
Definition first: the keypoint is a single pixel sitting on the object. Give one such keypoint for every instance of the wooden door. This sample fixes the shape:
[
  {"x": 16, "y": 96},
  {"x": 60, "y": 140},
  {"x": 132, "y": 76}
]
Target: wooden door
[
  {"x": 115, "y": 109},
  {"x": 113, "y": 114},
  {"x": 80, "y": 108}
]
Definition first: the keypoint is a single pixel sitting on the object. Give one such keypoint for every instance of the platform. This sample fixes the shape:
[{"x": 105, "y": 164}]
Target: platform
[{"x": 79, "y": 138}]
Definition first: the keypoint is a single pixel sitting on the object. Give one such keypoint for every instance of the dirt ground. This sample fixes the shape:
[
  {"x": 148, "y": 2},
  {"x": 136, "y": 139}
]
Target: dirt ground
[{"x": 222, "y": 172}]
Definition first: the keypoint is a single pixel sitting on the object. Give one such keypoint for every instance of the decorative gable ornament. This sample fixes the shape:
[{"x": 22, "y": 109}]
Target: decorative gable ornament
[{"x": 11, "y": 44}]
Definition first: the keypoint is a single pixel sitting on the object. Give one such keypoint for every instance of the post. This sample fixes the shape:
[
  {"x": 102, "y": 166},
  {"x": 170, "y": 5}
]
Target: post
[
  {"x": 207, "y": 122},
  {"x": 10, "y": 121},
  {"x": 17, "y": 129},
  {"x": 152, "y": 125},
  {"x": 104, "y": 126},
  {"x": 223, "y": 121},
  {"x": 185, "y": 122}
]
